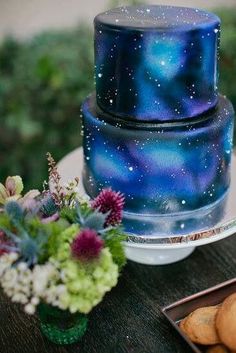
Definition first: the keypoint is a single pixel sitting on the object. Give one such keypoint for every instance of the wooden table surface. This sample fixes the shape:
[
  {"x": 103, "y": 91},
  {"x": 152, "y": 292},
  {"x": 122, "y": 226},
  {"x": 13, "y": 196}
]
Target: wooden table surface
[{"x": 129, "y": 319}]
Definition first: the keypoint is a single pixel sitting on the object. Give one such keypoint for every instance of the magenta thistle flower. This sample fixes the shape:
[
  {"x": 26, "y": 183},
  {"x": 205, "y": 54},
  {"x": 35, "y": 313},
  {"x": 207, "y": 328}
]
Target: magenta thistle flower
[
  {"x": 112, "y": 202},
  {"x": 87, "y": 245}
]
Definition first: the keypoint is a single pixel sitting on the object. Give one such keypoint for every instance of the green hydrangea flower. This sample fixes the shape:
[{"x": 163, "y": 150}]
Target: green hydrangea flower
[{"x": 86, "y": 282}]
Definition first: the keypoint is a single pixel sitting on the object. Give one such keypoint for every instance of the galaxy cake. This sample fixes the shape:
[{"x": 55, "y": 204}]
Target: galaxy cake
[{"x": 156, "y": 129}]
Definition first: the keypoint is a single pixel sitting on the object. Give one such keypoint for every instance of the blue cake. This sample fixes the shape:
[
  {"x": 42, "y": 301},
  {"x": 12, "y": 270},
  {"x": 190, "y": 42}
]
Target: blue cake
[
  {"x": 171, "y": 159},
  {"x": 156, "y": 63}
]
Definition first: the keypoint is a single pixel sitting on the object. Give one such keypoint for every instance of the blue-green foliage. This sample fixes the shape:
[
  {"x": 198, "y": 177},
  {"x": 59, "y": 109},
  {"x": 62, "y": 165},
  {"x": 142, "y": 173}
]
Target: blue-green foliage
[
  {"x": 14, "y": 212},
  {"x": 26, "y": 234},
  {"x": 85, "y": 217},
  {"x": 95, "y": 221},
  {"x": 48, "y": 206}
]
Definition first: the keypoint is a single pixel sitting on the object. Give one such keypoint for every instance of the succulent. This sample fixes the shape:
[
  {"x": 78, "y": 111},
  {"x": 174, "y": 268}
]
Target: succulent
[
  {"x": 85, "y": 217},
  {"x": 95, "y": 220},
  {"x": 48, "y": 206}
]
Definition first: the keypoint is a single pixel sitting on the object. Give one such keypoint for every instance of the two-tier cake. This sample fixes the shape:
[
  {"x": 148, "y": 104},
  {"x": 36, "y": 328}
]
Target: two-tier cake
[{"x": 157, "y": 130}]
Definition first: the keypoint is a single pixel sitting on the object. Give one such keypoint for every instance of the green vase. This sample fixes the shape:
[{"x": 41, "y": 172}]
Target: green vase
[{"x": 60, "y": 326}]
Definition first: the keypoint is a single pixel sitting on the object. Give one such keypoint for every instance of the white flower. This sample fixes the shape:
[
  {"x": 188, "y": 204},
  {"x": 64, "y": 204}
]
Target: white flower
[
  {"x": 16, "y": 281},
  {"x": 61, "y": 289},
  {"x": 83, "y": 199},
  {"x": 30, "y": 287},
  {"x": 22, "y": 266},
  {"x": 8, "y": 292},
  {"x": 30, "y": 309},
  {"x": 42, "y": 275},
  {"x": 10, "y": 277},
  {"x": 7, "y": 260},
  {"x": 12, "y": 257},
  {"x": 19, "y": 298},
  {"x": 35, "y": 301},
  {"x": 3, "y": 266}
]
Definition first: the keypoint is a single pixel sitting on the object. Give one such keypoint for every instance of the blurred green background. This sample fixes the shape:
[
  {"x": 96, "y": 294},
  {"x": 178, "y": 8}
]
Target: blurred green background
[{"x": 42, "y": 84}]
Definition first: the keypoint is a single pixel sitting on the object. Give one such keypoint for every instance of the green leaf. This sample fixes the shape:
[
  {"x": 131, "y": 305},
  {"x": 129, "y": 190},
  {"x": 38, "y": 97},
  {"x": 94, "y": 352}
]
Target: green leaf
[
  {"x": 114, "y": 239},
  {"x": 69, "y": 214}
]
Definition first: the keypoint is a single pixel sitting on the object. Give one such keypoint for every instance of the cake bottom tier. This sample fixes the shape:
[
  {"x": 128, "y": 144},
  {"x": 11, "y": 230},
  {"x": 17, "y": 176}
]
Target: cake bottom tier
[{"x": 177, "y": 171}]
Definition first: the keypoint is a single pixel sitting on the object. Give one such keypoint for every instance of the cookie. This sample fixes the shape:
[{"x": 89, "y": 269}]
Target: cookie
[
  {"x": 181, "y": 325},
  {"x": 226, "y": 322},
  {"x": 199, "y": 326},
  {"x": 219, "y": 348}
]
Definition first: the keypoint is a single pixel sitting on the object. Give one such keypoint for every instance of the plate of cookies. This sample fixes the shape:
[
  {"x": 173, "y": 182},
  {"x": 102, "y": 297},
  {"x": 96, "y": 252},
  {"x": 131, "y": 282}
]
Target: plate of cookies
[{"x": 207, "y": 320}]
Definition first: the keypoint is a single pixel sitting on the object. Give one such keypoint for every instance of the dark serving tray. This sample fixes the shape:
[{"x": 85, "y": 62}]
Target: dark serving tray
[{"x": 211, "y": 296}]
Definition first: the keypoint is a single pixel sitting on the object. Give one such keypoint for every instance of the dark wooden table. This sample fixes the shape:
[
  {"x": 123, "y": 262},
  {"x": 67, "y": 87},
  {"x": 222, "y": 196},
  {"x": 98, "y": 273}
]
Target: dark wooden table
[{"x": 129, "y": 319}]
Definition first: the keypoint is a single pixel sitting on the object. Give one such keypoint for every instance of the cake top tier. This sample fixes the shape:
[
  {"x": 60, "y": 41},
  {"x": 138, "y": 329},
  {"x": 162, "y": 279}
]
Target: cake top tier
[
  {"x": 156, "y": 63},
  {"x": 156, "y": 17}
]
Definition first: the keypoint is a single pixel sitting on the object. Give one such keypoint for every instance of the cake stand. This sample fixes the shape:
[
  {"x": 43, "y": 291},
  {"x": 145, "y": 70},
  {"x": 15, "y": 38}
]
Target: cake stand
[{"x": 156, "y": 250}]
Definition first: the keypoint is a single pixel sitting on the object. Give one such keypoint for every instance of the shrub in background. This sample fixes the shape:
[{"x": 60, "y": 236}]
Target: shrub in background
[
  {"x": 42, "y": 85},
  {"x": 228, "y": 55}
]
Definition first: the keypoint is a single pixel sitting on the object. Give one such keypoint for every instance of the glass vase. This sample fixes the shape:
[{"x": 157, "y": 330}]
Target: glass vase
[{"x": 60, "y": 326}]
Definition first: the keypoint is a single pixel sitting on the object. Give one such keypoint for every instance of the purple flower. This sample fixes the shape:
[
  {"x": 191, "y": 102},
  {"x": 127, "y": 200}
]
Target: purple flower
[
  {"x": 50, "y": 219},
  {"x": 112, "y": 202},
  {"x": 5, "y": 244},
  {"x": 87, "y": 245}
]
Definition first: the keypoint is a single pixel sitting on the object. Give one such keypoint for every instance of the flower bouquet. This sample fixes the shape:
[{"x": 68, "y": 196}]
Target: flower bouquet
[{"x": 59, "y": 252}]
